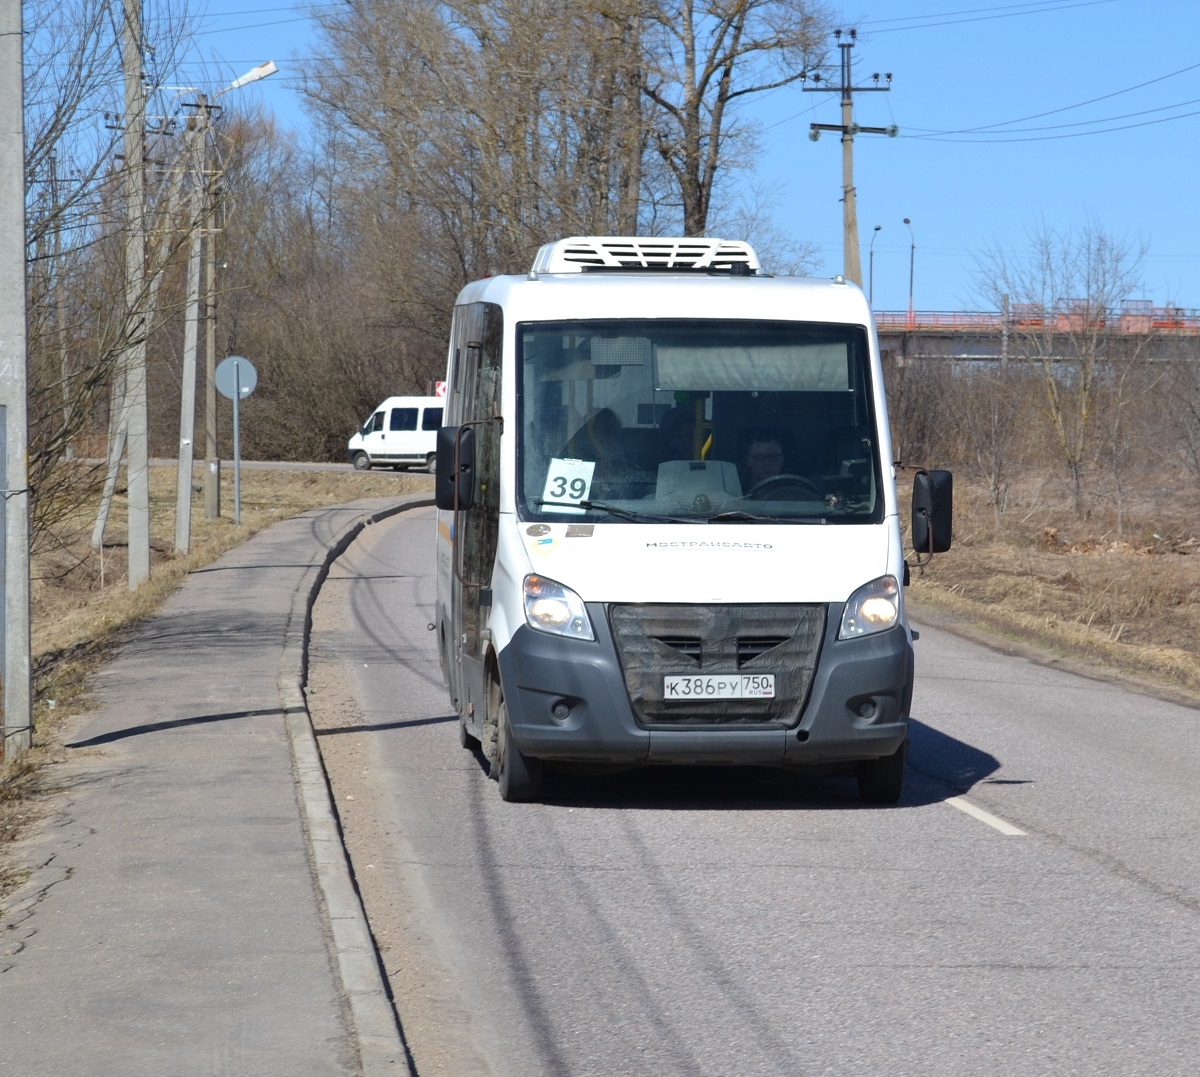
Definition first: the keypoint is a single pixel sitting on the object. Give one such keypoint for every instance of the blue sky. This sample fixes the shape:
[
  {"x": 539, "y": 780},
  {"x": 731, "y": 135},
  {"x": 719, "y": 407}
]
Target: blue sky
[{"x": 1012, "y": 117}]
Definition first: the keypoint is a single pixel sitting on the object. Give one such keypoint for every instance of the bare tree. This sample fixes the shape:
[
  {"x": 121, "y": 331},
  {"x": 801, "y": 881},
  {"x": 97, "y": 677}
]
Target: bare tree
[
  {"x": 496, "y": 124},
  {"x": 748, "y": 216},
  {"x": 703, "y": 56},
  {"x": 71, "y": 68},
  {"x": 1064, "y": 295},
  {"x": 1129, "y": 421},
  {"x": 984, "y": 405},
  {"x": 493, "y": 124},
  {"x": 1182, "y": 397},
  {"x": 82, "y": 322}
]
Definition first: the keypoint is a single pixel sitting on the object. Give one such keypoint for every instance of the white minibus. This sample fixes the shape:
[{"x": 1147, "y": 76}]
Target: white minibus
[
  {"x": 401, "y": 433},
  {"x": 668, "y": 529}
]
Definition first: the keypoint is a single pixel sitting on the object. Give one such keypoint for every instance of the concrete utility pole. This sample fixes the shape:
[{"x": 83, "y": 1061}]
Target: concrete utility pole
[
  {"x": 912, "y": 262},
  {"x": 15, "y": 694},
  {"x": 212, "y": 459},
  {"x": 136, "y": 316},
  {"x": 196, "y": 161},
  {"x": 852, "y": 260}
]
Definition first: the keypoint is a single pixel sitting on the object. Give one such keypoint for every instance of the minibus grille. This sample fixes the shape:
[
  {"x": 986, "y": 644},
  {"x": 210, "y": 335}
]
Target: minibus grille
[
  {"x": 688, "y": 646},
  {"x": 751, "y": 647},
  {"x": 654, "y": 641}
]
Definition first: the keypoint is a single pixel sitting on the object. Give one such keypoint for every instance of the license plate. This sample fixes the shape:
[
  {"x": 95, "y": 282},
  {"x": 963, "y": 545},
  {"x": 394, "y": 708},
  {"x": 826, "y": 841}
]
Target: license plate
[{"x": 719, "y": 686}]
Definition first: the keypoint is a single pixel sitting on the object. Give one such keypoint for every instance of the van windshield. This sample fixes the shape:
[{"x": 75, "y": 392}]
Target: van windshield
[{"x": 689, "y": 421}]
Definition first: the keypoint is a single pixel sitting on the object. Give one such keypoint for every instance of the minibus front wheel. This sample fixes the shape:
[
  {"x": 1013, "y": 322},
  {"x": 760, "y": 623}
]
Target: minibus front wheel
[{"x": 520, "y": 777}]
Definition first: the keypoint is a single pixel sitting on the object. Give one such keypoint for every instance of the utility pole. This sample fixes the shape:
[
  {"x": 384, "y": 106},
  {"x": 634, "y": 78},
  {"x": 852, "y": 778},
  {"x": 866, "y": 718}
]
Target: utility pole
[
  {"x": 136, "y": 315},
  {"x": 195, "y": 161},
  {"x": 212, "y": 459},
  {"x": 912, "y": 261},
  {"x": 851, "y": 259},
  {"x": 15, "y": 691},
  {"x": 871, "y": 267}
]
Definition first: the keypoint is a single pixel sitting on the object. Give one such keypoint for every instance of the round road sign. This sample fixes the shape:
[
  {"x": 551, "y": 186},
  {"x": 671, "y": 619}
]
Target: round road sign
[{"x": 235, "y": 376}]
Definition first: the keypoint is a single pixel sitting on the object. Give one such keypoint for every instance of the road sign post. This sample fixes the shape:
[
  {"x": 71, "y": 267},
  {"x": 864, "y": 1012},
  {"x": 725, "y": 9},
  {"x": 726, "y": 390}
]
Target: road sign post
[{"x": 236, "y": 378}]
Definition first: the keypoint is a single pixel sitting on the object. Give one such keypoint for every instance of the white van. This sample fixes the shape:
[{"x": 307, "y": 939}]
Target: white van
[
  {"x": 668, "y": 529},
  {"x": 401, "y": 433}
]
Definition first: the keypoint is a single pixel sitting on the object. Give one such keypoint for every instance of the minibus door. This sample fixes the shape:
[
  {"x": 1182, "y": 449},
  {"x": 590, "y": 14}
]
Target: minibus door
[{"x": 477, "y": 527}]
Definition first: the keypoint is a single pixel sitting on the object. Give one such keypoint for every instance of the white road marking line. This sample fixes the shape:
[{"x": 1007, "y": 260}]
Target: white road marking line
[{"x": 985, "y": 817}]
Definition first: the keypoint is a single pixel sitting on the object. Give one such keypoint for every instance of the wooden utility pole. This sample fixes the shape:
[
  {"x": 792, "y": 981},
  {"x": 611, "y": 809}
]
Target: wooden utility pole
[{"x": 852, "y": 260}]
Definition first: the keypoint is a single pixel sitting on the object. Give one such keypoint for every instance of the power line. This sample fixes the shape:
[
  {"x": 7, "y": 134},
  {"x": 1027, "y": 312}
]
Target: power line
[
  {"x": 952, "y": 18},
  {"x": 1080, "y": 104},
  {"x": 1052, "y": 138}
]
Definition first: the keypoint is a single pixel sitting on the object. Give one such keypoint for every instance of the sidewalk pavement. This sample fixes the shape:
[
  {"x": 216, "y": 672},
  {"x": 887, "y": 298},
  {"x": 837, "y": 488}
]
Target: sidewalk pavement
[{"x": 190, "y": 909}]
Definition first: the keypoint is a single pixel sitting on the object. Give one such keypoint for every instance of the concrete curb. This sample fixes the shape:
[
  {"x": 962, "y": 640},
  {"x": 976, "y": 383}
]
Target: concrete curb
[{"x": 376, "y": 1024}]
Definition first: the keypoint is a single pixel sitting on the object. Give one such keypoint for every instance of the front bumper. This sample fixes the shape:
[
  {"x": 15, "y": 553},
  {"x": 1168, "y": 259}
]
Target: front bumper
[{"x": 569, "y": 701}]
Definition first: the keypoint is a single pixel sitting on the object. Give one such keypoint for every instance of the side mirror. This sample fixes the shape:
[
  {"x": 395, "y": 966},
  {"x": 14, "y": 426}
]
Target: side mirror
[
  {"x": 454, "y": 481},
  {"x": 932, "y": 511}
]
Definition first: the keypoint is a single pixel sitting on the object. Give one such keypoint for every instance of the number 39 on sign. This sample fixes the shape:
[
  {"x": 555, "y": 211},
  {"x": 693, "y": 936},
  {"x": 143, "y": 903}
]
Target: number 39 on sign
[{"x": 567, "y": 484}]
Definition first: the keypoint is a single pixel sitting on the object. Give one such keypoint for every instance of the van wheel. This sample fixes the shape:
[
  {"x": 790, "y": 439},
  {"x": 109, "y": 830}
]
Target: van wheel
[
  {"x": 519, "y": 776},
  {"x": 881, "y": 781},
  {"x": 431, "y": 463},
  {"x": 362, "y": 462}
]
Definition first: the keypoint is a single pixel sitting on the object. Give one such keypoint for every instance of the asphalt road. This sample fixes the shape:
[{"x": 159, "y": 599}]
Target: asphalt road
[{"x": 1031, "y": 907}]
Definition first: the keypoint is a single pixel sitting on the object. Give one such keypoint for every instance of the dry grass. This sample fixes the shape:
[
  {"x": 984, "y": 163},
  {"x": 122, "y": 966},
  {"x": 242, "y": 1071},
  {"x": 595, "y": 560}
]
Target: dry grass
[
  {"x": 82, "y": 607},
  {"x": 1049, "y": 583}
]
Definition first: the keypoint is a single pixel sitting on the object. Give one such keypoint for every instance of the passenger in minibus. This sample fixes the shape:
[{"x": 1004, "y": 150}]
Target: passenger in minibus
[
  {"x": 599, "y": 439},
  {"x": 676, "y": 435}
]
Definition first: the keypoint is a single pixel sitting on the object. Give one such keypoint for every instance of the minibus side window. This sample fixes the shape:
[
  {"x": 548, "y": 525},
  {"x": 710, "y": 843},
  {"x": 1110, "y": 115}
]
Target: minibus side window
[{"x": 403, "y": 419}]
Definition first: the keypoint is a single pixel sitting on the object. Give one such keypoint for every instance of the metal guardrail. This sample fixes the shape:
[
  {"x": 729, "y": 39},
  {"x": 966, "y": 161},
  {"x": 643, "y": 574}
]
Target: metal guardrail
[{"x": 1173, "y": 320}]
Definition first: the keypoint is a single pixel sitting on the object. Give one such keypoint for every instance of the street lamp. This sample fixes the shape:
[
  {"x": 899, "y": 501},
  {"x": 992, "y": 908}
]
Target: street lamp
[
  {"x": 202, "y": 213},
  {"x": 912, "y": 257},
  {"x": 212, "y": 460},
  {"x": 253, "y": 75},
  {"x": 871, "y": 270}
]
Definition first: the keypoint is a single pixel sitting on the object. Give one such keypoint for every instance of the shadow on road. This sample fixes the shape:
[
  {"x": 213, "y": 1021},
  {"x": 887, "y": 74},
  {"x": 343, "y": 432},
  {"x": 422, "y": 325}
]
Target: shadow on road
[{"x": 939, "y": 767}]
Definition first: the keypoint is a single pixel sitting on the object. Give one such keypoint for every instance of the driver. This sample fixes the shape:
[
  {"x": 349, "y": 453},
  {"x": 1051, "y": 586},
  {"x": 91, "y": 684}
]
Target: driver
[{"x": 764, "y": 459}]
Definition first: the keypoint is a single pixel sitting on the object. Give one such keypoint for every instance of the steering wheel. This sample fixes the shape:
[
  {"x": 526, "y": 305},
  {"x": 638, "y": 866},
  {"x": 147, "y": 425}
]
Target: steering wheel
[{"x": 785, "y": 487}]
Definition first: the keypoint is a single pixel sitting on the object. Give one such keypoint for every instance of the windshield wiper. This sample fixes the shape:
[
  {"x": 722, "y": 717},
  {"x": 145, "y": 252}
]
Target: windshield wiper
[
  {"x": 740, "y": 516},
  {"x": 595, "y": 506},
  {"x": 613, "y": 510}
]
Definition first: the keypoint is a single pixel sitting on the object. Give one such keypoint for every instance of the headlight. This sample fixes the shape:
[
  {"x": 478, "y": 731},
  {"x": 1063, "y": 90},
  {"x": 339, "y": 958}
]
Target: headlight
[
  {"x": 551, "y": 607},
  {"x": 874, "y": 607}
]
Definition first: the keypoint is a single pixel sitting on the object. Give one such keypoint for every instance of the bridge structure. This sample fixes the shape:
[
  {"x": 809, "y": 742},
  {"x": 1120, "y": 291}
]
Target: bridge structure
[{"x": 1166, "y": 333}]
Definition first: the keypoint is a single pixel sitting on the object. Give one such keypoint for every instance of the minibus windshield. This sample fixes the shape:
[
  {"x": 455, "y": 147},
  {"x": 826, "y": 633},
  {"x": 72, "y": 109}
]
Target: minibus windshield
[{"x": 696, "y": 421}]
